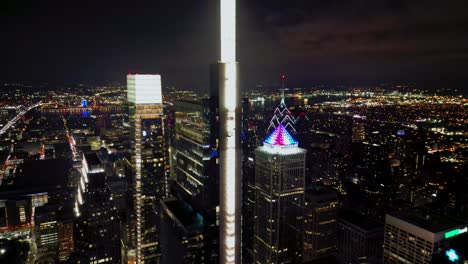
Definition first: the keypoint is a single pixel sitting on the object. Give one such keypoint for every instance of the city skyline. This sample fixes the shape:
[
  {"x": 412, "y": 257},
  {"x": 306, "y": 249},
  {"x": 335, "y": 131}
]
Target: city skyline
[
  {"x": 353, "y": 42},
  {"x": 367, "y": 147},
  {"x": 247, "y": 132}
]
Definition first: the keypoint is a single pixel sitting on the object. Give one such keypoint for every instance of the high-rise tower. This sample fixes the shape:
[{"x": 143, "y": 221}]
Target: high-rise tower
[
  {"x": 195, "y": 185},
  {"x": 279, "y": 199},
  {"x": 148, "y": 160},
  {"x": 229, "y": 138}
]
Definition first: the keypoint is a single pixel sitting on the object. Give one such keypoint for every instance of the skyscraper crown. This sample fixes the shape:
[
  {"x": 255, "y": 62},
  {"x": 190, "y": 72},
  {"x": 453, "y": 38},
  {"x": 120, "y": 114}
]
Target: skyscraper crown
[
  {"x": 282, "y": 116},
  {"x": 280, "y": 137}
]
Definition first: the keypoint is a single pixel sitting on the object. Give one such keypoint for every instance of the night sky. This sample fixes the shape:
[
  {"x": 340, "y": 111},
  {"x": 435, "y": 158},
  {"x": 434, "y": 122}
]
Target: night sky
[{"x": 311, "y": 41}]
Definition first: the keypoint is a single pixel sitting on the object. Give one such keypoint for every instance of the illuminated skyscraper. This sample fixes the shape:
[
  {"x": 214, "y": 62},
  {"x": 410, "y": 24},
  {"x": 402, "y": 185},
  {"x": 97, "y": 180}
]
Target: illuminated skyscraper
[
  {"x": 190, "y": 228},
  {"x": 97, "y": 229},
  {"x": 229, "y": 138},
  {"x": 146, "y": 116},
  {"x": 196, "y": 172},
  {"x": 359, "y": 130},
  {"x": 359, "y": 237},
  {"x": 279, "y": 199},
  {"x": 320, "y": 225}
]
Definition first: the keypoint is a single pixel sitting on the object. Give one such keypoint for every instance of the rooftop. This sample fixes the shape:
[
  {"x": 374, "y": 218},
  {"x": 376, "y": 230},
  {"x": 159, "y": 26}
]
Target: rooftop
[
  {"x": 320, "y": 194},
  {"x": 39, "y": 176},
  {"x": 184, "y": 214},
  {"x": 361, "y": 221},
  {"x": 93, "y": 159},
  {"x": 428, "y": 219}
]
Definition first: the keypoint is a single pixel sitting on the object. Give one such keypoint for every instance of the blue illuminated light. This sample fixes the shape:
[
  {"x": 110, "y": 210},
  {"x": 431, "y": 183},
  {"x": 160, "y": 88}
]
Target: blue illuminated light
[
  {"x": 452, "y": 255},
  {"x": 280, "y": 137},
  {"x": 85, "y": 113},
  {"x": 84, "y": 103}
]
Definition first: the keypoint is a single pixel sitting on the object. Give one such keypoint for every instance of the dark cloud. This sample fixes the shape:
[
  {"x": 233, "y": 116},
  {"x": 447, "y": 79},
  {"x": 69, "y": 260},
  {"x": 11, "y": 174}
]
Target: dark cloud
[
  {"x": 335, "y": 40},
  {"x": 368, "y": 39},
  {"x": 377, "y": 26}
]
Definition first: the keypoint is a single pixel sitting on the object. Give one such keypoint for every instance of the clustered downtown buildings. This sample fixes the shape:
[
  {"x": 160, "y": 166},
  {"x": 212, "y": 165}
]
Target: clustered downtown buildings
[{"x": 342, "y": 181}]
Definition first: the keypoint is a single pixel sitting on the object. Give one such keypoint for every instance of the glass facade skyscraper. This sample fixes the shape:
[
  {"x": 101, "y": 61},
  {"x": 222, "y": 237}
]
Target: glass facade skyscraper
[
  {"x": 194, "y": 182},
  {"x": 279, "y": 199},
  {"x": 196, "y": 169},
  {"x": 148, "y": 161}
]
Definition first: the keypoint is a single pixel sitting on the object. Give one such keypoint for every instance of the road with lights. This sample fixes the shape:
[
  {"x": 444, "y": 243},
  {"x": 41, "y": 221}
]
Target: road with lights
[{"x": 18, "y": 117}]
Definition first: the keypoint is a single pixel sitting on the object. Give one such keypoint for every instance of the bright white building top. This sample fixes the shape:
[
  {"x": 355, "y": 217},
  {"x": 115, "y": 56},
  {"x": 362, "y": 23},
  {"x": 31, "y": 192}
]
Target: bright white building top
[{"x": 144, "y": 88}]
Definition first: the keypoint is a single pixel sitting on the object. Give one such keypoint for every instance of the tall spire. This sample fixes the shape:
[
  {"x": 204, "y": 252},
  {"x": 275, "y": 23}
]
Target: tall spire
[
  {"x": 282, "y": 115},
  {"x": 282, "y": 89}
]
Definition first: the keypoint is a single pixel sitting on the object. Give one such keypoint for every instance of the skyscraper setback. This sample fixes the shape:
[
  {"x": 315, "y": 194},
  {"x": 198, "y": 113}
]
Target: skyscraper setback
[{"x": 148, "y": 161}]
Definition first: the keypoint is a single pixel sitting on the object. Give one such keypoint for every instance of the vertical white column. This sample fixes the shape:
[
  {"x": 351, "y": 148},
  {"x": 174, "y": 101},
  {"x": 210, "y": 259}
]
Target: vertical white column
[
  {"x": 229, "y": 138},
  {"x": 228, "y": 31}
]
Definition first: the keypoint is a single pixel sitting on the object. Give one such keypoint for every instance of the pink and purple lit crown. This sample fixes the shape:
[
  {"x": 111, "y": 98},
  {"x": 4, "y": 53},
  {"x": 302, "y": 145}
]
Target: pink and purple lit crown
[{"x": 280, "y": 137}]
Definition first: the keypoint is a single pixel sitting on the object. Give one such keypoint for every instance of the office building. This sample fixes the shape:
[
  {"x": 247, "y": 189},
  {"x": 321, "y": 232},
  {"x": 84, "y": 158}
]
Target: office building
[
  {"x": 358, "y": 129},
  {"x": 182, "y": 229},
  {"x": 65, "y": 239},
  {"x": 248, "y": 203},
  {"x": 414, "y": 236},
  {"x": 360, "y": 238},
  {"x": 279, "y": 199},
  {"x": 320, "y": 223},
  {"x": 46, "y": 233},
  {"x": 195, "y": 170},
  {"x": 97, "y": 229},
  {"x": 148, "y": 161}
]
